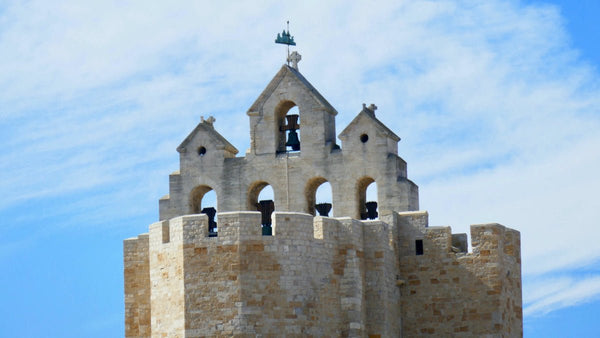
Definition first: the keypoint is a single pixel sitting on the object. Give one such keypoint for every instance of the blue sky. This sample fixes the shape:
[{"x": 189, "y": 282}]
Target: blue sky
[{"x": 497, "y": 104}]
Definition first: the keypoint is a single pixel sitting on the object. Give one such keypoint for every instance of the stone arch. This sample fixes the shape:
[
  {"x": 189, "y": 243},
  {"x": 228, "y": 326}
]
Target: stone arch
[
  {"x": 196, "y": 195},
  {"x": 310, "y": 193},
  {"x": 265, "y": 207},
  {"x": 281, "y": 110},
  {"x": 361, "y": 194},
  {"x": 253, "y": 192}
]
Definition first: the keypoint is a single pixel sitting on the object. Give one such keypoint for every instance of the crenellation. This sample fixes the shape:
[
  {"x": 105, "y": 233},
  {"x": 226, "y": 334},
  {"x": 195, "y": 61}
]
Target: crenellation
[
  {"x": 381, "y": 294},
  {"x": 460, "y": 243},
  {"x": 326, "y": 229},
  {"x": 166, "y": 279},
  {"x": 234, "y": 226},
  {"x": 441, "y": 276},
  {"x": 437, "y": 240},
  {"x": 390, "y": 276},
  {"x": 354, "y": 260},
  {"x": 411, "y": 227},
  {"x": 137, "y": 286},
  {"x": 295, "y": 225}
]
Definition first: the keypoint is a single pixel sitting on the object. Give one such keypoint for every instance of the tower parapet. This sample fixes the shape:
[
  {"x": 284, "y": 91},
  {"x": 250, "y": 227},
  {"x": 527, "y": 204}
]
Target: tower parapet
[
  {"x": 313, "y": 271},
  {"x": 459, "y": 292}
]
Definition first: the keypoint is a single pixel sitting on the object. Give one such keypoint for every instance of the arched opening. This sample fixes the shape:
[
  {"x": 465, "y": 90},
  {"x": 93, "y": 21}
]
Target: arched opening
[
  {"x": 262, "y": 198},
  {"x": 319, "y": 197},
  {"x": 287, "y": 127},
  {"x": 203, "y": 200},
  {"x": 367, "y": 198}
]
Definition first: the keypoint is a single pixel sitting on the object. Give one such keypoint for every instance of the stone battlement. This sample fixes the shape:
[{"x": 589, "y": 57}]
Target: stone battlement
[
  {"x": 487, "y": 239},
  {"x": 308, "y": 259},
  {"x": 460, "y": 292}
]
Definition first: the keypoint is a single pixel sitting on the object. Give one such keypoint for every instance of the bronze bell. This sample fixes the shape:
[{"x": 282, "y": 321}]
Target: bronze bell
[
  {"x": 323, "y": 209},
  {"x": 293, "y": 140},
  {"x": 371, "y": 210},
  {"x": 266, "y": 208},
  {"x": 212, "y": 225}
]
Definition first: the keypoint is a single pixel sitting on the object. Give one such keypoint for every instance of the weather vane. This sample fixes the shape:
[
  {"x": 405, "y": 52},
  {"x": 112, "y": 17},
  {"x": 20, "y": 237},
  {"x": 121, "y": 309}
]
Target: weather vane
[{"x": 286, "y": 39}]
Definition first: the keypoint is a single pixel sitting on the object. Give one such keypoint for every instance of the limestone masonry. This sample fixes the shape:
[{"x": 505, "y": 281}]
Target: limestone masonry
[{"x": 273, "y": 268}]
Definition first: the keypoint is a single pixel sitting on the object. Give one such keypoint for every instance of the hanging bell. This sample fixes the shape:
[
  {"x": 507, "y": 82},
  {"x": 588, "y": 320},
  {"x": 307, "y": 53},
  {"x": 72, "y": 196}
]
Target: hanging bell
[
  {"x": 293, "y": 140},
  {"x": 212, "y": 225},
  {"x": 371, "y": 210},
  {"x": 323, "y": 209},
  {"x": 266, "y": 208}
]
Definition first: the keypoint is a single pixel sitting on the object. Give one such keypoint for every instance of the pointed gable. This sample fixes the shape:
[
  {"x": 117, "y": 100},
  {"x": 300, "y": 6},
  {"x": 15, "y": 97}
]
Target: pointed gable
[
  {"x": 288, "y": 89},
  {"x": 207, "y": 128},
  {"x": 286, "y": 70},
  {"x": 367, "y": 115},
  {"x": 367, "y": 133}
]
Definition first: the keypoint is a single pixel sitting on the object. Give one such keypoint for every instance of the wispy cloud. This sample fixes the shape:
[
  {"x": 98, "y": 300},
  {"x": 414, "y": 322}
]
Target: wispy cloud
[
  {"x": 497, "y": 112},
  {"x": 550, "y": 200},
  {"x": 550, "y": 294}
]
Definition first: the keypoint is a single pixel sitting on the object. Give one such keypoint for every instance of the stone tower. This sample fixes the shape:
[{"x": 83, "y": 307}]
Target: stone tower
[{"x": 275, "y": 268}]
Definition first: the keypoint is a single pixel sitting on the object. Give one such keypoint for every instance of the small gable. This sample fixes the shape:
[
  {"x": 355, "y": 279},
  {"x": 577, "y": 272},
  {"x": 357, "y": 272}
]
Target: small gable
[
  {"x": 365, "y": 127},
  {"x": 286, "y": 70},
  {"x": 206, "y": 130},
  {"x": 269, "y": 129}
]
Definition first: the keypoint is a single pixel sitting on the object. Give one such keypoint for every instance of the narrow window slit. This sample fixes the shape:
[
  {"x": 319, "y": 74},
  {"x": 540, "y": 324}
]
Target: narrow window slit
[{"x": 419, "y": 247}]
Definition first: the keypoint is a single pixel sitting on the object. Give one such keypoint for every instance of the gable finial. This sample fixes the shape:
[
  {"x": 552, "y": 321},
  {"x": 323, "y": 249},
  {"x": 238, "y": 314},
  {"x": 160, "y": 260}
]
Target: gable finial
[
  {"x": 294, "y": 59},
  {"x": 370, "y": 109},
  {"x": 209, "y": 121}
]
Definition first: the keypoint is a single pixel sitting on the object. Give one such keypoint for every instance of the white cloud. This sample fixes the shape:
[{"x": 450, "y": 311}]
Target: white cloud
[
  {"x": 549, "y": 200},
  {"x": 497, "y": 113},
  {"x": 550, "y": 294}
]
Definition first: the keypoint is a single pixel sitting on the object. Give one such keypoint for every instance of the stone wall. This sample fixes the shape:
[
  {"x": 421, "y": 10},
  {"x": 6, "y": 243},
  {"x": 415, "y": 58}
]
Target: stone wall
[
  {"x": 322, "y": 277},
  {"x": 381, "y": 270},
  {"x": 449, "y": 292},
  {"x": 315, "y": 276},
  {"x": 289, "y": 284},
  {"x": 292, "y": 174},
  {"x": 136, "y": 266},
  {"x": 166, "y": 271}
]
